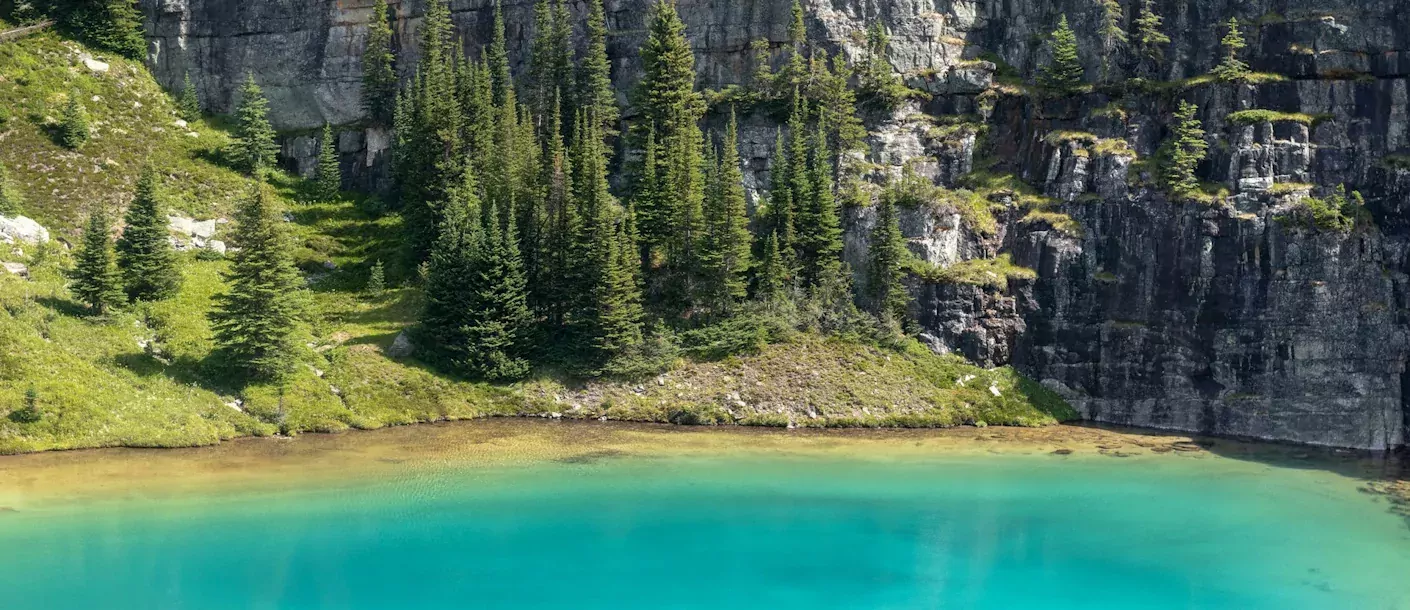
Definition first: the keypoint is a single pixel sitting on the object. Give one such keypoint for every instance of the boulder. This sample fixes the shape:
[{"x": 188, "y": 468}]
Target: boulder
[
  {"x": 22, "y": 230},
  {"x": 204, "y": 229},
  {"x": 17, "y": 269},
  {"x": 402, "y": 346}
]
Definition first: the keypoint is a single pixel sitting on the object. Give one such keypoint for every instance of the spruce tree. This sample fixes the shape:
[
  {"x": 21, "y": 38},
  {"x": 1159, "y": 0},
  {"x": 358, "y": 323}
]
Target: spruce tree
[
  {"x": 653, "y": 217},
  {"x": 500, "y": 322},
  {"x": 379, "y": 72},
  {"x": 376, "y": 280},
  {"x": 1113, "y": 35},
  {"x": 1064, "y": 74},
  {"x": 73, "y": 127},
  {"x": 551, "y": 288},
  {"x": 501, "y": 80},
  {"x": 726, "y": 255},
  {"x": 10, "y": 198},
  {"x": 96, "y": 282},
  {"x": 256, "y": 321},
  {"x": 837, "y": 111},
  {"x": 762, "y": 82},
  {"x": 448, "y": 313},
  {"x": 1150, "y": 41},
  {"x": 254, "y": 147},
  {"x": 616, "y": 304},
  {"x": 144, "y": 252},
  {"x": 189, "y": 104},
  {"x": 887, "y": 296},
  {"x": 772, "y": 283},
  {"x": 822, "y": 236},
  {"x": 796, "y": 71},
  {"x": 595, "y": 92},
  {"x": 429, "y": 162},
  {"x": 550, "y": 57},
  {"x": 877, "y": 78},
  {"x": 781, "y": 207},
  {"x": 799, "y": 183},
  {"x": 1232, "y": 68},
  {"x": 1183, "y": 151},
  {"x": 329, "y": 175},
  {"x": 111, "y": 25}
]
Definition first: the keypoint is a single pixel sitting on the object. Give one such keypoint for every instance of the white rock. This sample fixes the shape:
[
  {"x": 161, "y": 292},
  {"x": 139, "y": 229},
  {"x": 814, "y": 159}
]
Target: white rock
[
  {"x": 17, "y": 269},
  {"x": 180, "y": 123},
  {"x": 215, "y": 245},
  {"x": 23, "y": 230},
  {"x": 95, "y": 65},
  {"x": 995, "y": 391}
]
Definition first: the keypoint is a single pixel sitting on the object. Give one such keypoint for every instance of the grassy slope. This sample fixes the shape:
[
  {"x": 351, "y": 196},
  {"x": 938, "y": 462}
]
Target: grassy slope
[{"x": 145, "y": 377}]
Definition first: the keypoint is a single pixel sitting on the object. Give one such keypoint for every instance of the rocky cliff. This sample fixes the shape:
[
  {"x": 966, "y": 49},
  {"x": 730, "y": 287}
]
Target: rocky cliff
[{"x": 1215, "y": 316}]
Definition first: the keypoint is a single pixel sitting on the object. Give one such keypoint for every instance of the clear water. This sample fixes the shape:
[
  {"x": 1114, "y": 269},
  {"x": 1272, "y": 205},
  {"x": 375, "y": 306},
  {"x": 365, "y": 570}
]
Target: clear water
[{"x": 738, "y": 531}]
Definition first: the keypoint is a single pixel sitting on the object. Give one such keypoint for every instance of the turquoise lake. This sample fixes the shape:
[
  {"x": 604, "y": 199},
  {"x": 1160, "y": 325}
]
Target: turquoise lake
[{"x": 777, "y": 529}]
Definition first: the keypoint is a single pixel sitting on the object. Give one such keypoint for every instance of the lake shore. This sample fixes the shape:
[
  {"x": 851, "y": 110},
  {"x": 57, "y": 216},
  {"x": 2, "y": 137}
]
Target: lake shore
[{"x": 33, "y": 480}]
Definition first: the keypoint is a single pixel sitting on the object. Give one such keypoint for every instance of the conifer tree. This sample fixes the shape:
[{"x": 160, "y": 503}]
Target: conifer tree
[
  {"x": 30, "y": 412},
  {"x": 551, "y": 289},
  {"x": 666, "y": 95},
  {"x": 796, "y": 71},
  {"x": 1183, "y": 150},
  {"x": 448, "y": 313},
  {"x": 429, "y": 165},
  {"x": 477, "y": 106},
  {"x": 111, "y": 25},
  {"x": 376, "y": 280},
  {"x": 329, "y": 175},
  {"x": 781, "y": 207},
  {"x": 761, "y": 83},
  {"x": 254, "y": 147},
  {"x": 837, "y": 111},
  {"x": 886, "y": 295},
  {"x": 379, "y": 72},
  {"x": 501, "y": 80},
  {"x": 1064, "y": 74},
  {"x": 617, "y": 301},
  {"x": 1113, "y": 35},
  {"x": 822, "y": 235},
  {"x": 877, "y": 77},
  {"x": 1150, "y": 40},
  {"x": 256, "y": 322},
  {"x": 595, "y": 92},
  {"x": 189, "y": 104},
  {"x": 1232, "y": 68},
  {"x": 772, "y": 283},
  {"x": 10, "y": 198},
  {"x": 551, "y": 57},
  {"x": 73, "y": 127},
  {"x": 144, "y": 252},
  {"x": 500, "y": 322},
  {"x": 96, "y": 282},
  {"x": 653, "y": 214},
  {"x": 726, "y": 255},
  {"x": 798, "y": 182}
]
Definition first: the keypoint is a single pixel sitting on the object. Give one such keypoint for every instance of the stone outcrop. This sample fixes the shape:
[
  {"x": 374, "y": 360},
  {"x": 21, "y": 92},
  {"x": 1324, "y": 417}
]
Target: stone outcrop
[{"x": 1214, "y": 317}]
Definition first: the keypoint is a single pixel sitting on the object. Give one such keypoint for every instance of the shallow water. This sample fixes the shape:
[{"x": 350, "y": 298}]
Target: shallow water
[{"x": 532, "y": 515}]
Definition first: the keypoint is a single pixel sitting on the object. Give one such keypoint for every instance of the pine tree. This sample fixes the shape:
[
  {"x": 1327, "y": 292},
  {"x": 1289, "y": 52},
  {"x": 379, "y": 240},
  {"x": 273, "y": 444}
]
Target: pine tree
[
  {"x": 96, "y": 282},
  {"x": 379, "y": 72},
  {"x": 595, "y": 92},
  {"x": 477, "y": 106},
  {"x": 726, "y": 255},
  {"x": 329, "y": 175},
  {"x": 551, "y": 57},
  {"x": 1064, "y": 74},
  {"x": 653, "y": 214},
  {"x": 886, "y": 295},
  {"x": 799, "y": 184},
  {"x": 1113, "y": 35},
  {"x": 254, "y": 147},
  {"x": 448, "y": 313},
  {"x": 617, "y": 301},
  {"x": 837, "y": 111},
  {"x": 376, "y": 280},
  {"x": 772, "y": 283},
  {"x": 762, "y": 83},
  {"x": 256, "y": 322},
  {"x": 781, "y": 208},
  {"x": 551, "y": 287},
  {"x": 1183, "y": 151},
  {"x": 73, "y": 127},
  {"x": 796, "y": 71},
  {"x": 501, "y": 320},
  {"x": 144, "y": 252},
  {"x": 428, "y": 161},
  {"x": 877, "y": 78},
  {"x": 10, "y": 198},
  {"x": 1232, "y": 68},
  {"x": 501, "y": 80},
  {"x": 189, "y": 104},
  {"x": 666, "y": 95},
  {"x": 1150, "y": 41},
  {"x": 111, "y": 25},
  {"x": 822, "y": 235}
]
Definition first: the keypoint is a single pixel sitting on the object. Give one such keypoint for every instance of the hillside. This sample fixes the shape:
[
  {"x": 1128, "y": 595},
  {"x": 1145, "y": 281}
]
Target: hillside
[{"x": 144, "y": 377}]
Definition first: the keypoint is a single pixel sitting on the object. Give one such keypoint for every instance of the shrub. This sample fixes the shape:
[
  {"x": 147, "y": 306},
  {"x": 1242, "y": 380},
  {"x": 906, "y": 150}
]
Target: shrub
[{"x": 1337, "y": 212}]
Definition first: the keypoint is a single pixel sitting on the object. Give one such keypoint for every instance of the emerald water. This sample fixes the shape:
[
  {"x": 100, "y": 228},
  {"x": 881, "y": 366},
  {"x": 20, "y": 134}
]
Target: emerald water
[{"x": 610, "y": 524}]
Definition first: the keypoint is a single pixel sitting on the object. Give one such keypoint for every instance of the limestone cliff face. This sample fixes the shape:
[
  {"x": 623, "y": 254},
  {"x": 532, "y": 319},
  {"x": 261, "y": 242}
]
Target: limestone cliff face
[{"x": 1214, "y": 318}]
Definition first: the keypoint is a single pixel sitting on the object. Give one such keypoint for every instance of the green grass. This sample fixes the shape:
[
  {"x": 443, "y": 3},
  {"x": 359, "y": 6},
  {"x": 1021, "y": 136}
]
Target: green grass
[
  {"x": 146, "y": 377},
  {"x": 989, "y": 272},
  {"x": 1254, "y": 117}
]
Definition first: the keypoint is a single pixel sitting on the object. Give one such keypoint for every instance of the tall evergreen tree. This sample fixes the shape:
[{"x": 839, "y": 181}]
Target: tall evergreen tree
[
  {"x": 782, "y": 208},
  {"x": 1113, "y": 35},
  {"x": 837, "y": 111},
  {"x": 73, "y": 127},
  {"x": 1064, "y": 73},
  {"x": 616, "y": 306},
  {"x": 477, "y": 106},
  {"x": 429, "y": 162},
  {"x": 449, "y": 313},
  {"x": 189, "y": 104},
  {"x": 822, "y": 235},
  {"x": 1232, "y": 68},
  {"x": 551, "y": 289},
  {"x": 1150, "y": 40},
  {"x": 653, "y": 218},
  {"x": 329, "y": 175},
  {"x": 1183, "y": 151},
  {"x": 10, "y": 198},
  {"x": 111, "y": 25},
  {"x": 799, "y": 183},
  {"x": 726, "y": 255},
  {"x": 96, "y": 282},
  {"x": 595, "y": 92},
  {"x": 501, "y": 321},
  {"x": 886, "y": 295},
  {"x": 379, "y": 72},
  {"x": 796, "y": 70},
  {"x": 551, "y": 57},
  {"x": 501, "y": 80},
  {"x": 144, "y": 252},
  {"x": 877, "y": 77},
  {"x": 256, "y": 322},
  {"x": 254, "y": 147},
  {"x": 772, "y": 282}
]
